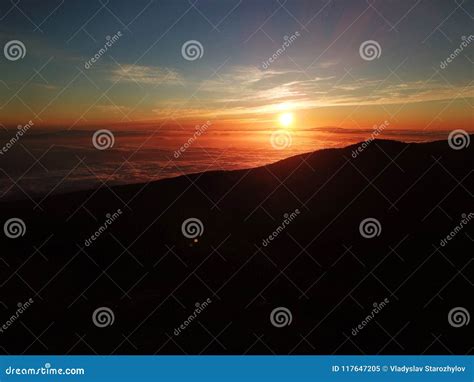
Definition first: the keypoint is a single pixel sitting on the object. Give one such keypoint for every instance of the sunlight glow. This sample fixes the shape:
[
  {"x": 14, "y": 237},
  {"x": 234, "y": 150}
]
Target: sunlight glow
[{"x": 286, "y": 119}]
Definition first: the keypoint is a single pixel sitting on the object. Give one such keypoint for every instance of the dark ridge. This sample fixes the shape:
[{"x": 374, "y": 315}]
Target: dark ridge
[{"x": 319, "y": 266}]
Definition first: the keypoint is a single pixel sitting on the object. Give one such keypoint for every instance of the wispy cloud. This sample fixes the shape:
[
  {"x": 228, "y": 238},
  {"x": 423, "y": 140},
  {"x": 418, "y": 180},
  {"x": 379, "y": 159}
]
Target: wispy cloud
[
  {"x": 243, "y": 90},
  {"x": 249, "y": 94},
  {"x": 149, "y": 75}
]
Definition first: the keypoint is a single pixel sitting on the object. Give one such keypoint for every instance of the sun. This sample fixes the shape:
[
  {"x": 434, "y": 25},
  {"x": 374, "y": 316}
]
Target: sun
[{"x": 286, "y": 119}]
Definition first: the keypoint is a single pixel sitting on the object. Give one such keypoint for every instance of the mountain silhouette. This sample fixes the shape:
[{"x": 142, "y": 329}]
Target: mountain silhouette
[{"x": 352, "y": 237}]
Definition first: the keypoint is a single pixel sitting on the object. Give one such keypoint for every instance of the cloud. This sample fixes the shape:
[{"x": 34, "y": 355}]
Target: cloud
[
  {"x": 246, "y": 90},
  {"x": 148, "y": 75},
  {"x": 324, "y": 78},
  {"x": 328, "y": 64},
  {"x": 249, "y": 92}
]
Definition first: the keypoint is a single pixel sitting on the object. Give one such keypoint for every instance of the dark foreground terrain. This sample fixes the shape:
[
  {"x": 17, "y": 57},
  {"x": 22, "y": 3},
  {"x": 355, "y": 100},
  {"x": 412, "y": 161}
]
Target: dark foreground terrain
[{"x": 319, "y": 266}]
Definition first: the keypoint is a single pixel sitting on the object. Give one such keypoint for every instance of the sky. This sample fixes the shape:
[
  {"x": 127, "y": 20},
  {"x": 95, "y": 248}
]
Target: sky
[{"x": 320, "y": 79}]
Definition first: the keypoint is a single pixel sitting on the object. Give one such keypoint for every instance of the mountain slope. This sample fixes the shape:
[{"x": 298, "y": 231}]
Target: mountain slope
[{"x": 318, "y": 266}]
